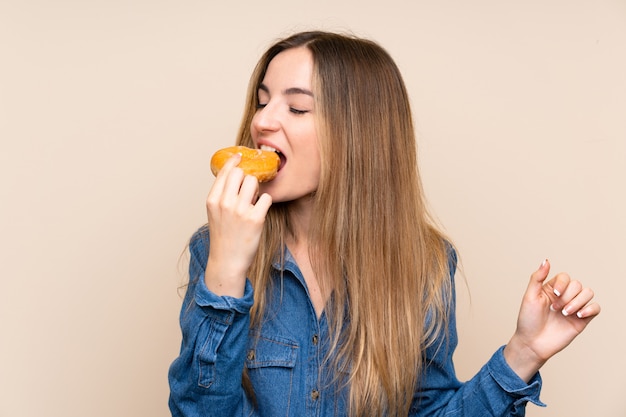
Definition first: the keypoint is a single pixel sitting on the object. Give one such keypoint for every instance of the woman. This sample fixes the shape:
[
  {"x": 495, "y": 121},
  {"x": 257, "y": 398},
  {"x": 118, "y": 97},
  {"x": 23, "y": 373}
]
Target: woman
[{"x": 328, "y": 290}]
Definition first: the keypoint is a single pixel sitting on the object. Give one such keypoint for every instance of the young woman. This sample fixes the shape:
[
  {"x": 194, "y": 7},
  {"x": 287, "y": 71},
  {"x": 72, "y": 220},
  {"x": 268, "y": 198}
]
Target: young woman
[{"x": 329, "y": 291}]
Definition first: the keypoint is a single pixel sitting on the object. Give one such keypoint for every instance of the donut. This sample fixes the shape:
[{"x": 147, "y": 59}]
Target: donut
[{"x": 257, "y": 162}]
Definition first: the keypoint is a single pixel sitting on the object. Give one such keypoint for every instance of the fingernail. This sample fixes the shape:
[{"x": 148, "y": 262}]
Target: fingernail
[
  {"x": 543, "y": 263},
  {"x": 552, "y": 308},
  {"x": 557, "y": 293},
  {"x": 565, "y": 313},
  {"x": 579, "y": 315}
]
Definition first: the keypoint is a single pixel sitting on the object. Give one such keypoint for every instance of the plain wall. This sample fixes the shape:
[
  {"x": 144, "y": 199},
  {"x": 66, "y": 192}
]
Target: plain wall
[{"x": 110, "y": 111}]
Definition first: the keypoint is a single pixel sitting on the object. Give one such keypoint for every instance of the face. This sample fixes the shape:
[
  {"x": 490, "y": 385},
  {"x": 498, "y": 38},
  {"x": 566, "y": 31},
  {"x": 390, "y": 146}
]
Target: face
[{"x": 285, "y": 122}]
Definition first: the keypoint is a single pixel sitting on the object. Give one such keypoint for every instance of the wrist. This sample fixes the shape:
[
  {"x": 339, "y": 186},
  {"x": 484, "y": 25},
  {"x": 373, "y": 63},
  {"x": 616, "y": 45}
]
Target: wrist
[
  {"x": 522, "y": 359},
  {"x": 225, "y": 281}
]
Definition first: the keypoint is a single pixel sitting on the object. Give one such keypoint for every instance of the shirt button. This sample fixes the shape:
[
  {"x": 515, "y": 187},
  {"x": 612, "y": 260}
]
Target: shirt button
[
  {"x": 315, "y": 394},
  {"x": 315, "y": 339},
  {"x": 250, "y": 355}
]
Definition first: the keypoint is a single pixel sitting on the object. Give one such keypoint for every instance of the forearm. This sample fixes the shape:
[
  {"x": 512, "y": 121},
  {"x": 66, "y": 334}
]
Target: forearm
[
  {"x": 207, "y": 374},
  {"x": 225, "y": 278},
  {"x": 494, "y": 391}
]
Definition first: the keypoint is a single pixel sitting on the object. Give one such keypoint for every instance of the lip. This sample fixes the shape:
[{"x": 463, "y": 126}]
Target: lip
[
  {"x": 281, "y": 155},
  {"x": 267, "y": 143}
]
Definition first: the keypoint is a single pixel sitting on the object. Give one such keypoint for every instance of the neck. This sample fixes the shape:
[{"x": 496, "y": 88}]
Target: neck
[{"x": 300, "y": 212}]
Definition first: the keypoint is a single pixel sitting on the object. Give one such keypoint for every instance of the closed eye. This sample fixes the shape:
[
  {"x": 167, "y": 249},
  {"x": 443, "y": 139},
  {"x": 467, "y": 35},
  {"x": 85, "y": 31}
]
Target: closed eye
[{"x": 297, "y": 111}]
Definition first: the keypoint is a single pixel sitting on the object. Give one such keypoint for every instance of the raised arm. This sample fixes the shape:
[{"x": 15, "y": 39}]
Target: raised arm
[{"x": 235, "y": 218}]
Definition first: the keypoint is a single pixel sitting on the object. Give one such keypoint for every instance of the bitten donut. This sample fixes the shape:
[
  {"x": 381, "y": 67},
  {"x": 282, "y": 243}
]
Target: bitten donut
[{"x": 259, "y": 163}]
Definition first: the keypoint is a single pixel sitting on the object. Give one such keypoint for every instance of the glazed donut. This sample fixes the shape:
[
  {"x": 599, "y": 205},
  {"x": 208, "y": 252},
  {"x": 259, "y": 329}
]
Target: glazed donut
[{"x": 259, "y": 163}]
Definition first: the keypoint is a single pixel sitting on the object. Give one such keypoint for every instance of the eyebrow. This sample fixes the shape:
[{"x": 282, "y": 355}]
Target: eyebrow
[{"x": 289, "y": 91}]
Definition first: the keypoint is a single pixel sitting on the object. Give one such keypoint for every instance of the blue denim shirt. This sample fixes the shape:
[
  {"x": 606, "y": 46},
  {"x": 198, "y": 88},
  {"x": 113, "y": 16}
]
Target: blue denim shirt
[{"x": 284, "y": 359}]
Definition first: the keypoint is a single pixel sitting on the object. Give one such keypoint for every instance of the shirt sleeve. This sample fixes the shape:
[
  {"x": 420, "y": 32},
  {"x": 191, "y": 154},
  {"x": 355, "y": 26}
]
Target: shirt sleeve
[
  {"x": 496, "y": 390},
  {"x": 205, "y": 379}
]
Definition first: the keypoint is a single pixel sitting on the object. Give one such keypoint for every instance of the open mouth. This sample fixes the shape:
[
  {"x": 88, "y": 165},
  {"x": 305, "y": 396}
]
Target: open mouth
[{"x": 280, "y": 155}]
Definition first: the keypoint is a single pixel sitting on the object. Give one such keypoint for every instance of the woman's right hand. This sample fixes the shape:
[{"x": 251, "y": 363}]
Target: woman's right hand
[{"x": 235, "y": 218}]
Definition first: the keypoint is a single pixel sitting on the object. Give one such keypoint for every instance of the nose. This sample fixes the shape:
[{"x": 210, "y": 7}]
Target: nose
[{"x": 265, "y": 119}]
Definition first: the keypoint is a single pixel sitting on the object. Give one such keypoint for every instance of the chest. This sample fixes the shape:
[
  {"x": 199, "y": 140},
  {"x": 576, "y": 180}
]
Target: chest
[{"x": 286, "y": 357}]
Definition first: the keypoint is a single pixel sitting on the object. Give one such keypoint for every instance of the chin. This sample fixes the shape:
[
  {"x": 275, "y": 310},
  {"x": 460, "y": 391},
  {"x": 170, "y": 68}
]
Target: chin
[{"x": 266, "y": 188}]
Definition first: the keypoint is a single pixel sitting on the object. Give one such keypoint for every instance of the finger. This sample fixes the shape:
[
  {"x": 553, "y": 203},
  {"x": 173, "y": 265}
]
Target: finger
[
  {"x": 233, "y": 161},
  {"x": 248, "y": 192},
  {"x": 232, "y": 184},
  {"x": 262, "y": 205},
  {"x": 560, "y": 283},
  {"x": 589, "y": 311},
  {"x": 220, "y": 179},
  {"x": 225, "y": 190},
  {"x": 557, "y": 287},
  {"x": 538, "y": 277},
  {"x": 581, "y": 299},
  {"x": 570, "y": 291}
]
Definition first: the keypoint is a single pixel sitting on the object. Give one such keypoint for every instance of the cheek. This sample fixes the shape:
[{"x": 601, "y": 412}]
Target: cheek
[
  {"x": 309, "y": 138},
  {"x": 316, "y": 162}
]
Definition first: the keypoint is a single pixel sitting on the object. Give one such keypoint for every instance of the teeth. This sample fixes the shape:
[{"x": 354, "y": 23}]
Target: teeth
[{"x": 267, "y": 148}]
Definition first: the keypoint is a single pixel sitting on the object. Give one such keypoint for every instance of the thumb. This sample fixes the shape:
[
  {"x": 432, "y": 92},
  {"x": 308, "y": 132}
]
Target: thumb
[{"x": 539, "y": 276}]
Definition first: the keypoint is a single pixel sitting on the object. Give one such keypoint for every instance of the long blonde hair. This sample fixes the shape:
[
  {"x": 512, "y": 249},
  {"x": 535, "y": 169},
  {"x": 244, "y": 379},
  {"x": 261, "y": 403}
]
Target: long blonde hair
[{"x": 373, "y": 246}]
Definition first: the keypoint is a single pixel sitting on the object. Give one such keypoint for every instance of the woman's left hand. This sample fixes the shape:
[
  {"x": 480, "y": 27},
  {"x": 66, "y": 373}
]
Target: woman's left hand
[{"x": 552, "y": 314}]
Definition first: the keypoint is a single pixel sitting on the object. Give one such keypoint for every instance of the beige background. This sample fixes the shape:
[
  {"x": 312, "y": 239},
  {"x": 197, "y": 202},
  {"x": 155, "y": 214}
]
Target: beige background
[{"x": 110, "y": 109}]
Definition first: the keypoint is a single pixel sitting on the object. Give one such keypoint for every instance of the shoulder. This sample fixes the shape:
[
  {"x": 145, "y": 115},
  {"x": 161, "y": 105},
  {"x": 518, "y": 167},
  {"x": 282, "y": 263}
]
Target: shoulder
[{"x": 453, "y": 258}]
